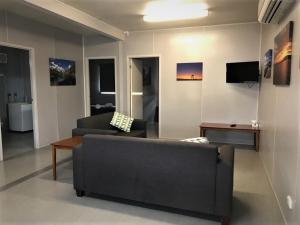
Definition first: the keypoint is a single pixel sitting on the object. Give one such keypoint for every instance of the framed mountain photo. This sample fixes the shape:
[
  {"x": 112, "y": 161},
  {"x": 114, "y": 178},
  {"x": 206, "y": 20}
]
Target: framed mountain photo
[
  {"x": 62, "y": 72},
  {"x": 267, "y": 69}
]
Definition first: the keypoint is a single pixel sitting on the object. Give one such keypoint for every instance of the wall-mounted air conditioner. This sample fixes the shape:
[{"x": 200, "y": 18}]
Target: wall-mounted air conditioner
[{"x": 272, "y": 11}]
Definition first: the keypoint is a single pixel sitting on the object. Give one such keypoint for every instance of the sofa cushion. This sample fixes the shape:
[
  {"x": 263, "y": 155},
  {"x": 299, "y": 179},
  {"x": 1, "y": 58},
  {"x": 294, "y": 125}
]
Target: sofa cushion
[
  {"x": 84, "y": 131},
  {"x": 133, "y": 133},
  {"x": 121, "y": 121}
]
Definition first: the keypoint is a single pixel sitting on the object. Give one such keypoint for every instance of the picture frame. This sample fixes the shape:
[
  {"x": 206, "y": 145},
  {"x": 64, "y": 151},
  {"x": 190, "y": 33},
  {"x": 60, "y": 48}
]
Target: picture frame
[
  {"x": 62, "y": 72},
  {"x": 267, "y": 65},
  {"x": 283, "y": 55},
  {"x": 189, "y": 71}
]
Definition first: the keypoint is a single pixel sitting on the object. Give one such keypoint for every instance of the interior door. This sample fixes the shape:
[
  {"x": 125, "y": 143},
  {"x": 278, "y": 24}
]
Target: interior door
[
  {"x": 102, "y": 86},
  {"x": 136, "y": 68},
  {"x": 2, "y": 111},
  {"x": 1, "y": 148}
]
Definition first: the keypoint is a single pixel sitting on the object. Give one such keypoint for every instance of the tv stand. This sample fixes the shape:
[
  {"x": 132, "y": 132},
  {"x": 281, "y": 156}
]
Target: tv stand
[{"x": 232, "y": 127}]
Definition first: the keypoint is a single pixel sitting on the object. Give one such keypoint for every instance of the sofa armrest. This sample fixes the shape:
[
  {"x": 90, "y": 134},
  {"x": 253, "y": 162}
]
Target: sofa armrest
[
  {"x": 78, "y": 181},
  {"x": 224, "y": 182}
]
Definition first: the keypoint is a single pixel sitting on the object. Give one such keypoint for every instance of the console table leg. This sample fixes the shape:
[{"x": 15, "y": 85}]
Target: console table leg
[
  {"x": 225, "y": 221},
  {"x": 202, "y": 132},
  {"x": 54, "y": 161},
  {"x": 257, "y": 141}
]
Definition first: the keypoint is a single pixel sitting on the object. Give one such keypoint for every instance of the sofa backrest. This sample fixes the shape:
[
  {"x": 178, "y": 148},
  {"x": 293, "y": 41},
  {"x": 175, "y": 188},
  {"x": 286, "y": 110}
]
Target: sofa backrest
[
  {"x": 169, "y": 173},
  {"x": 101, "y": 121}
]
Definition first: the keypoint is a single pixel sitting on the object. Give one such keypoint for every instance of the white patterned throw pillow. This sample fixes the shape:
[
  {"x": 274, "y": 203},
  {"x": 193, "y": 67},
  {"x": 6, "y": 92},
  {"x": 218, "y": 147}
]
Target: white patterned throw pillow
[
  {"x": 200, "y": 140},
  {"x": 122, "y": 122}
]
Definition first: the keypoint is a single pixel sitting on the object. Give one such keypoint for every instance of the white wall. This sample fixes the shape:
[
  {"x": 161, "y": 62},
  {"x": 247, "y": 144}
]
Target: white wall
[
  {"x": 184, "y": 105},
  {"x": 70, "y": 100},
  {"x": 58, "y": 107},
  {"x": 279, "y": 109}
]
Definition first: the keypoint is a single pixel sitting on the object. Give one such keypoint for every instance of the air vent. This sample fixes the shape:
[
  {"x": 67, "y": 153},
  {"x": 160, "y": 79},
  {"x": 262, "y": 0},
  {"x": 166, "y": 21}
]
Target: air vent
[{"x": 272, "y": 11}]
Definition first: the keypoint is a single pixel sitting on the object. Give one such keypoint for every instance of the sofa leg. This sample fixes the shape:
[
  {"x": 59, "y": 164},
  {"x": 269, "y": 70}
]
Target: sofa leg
[
  {"x": 79, "y": 193},
  {"x": 225, "y": 220}
]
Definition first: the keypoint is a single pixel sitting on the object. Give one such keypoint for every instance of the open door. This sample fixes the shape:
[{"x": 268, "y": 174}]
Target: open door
[
  {"x": 2, "y": 99},
  {"x": 102, "y": 86},
  {"x": 1, "y": 148},
  {"x": 136, "y": 77}
]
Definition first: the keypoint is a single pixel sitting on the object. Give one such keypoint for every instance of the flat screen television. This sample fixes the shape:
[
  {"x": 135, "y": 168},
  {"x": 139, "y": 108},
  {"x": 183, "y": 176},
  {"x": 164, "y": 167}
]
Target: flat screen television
[{"x": 242, "y": 72}]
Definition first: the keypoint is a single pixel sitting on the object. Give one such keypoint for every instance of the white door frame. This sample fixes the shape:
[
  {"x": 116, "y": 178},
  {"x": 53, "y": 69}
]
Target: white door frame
[
  {"x": 33, "y": 94},
  {"x": 131, "y": 89},
  {"x": 130, "y": 57},
  {"x": 87, "y": 99}
]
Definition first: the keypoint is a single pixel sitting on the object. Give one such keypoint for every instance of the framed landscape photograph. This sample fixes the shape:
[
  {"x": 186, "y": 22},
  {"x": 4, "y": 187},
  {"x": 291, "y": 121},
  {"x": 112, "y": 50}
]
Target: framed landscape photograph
[
  {"x": 268, "y": 64},
  {"x": 189, "y": 71},
  {"x": 283, "y": 55},
  {"x": 62, "y": 72}
]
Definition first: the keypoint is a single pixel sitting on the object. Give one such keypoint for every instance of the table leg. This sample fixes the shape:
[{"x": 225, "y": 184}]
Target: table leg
[
  {"x": 54, "y": 161},
  {"x": 257, "y": 141},
  {"x": 202, "y": 132}
]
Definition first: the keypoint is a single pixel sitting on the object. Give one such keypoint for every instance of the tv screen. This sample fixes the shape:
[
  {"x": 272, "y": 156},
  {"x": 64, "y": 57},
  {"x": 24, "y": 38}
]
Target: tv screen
[{"x": 242, "y": 72}]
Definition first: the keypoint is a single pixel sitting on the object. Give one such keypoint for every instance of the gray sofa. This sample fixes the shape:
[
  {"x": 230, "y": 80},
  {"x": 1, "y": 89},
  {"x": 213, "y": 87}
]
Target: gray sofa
[
  {"x": 187, "y": 177},
  {"x": 100, "y": 124}
]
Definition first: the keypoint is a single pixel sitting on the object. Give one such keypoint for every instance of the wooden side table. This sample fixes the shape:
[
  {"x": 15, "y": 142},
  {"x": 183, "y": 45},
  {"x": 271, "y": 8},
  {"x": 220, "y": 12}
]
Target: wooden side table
[
  {"x": 227, "y": 127},
  {"x": 65, "y": 144}
]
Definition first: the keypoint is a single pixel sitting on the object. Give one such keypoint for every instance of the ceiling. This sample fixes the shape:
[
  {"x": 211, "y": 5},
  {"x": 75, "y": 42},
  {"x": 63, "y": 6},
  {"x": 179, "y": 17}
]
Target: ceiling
[
  {"x": 128, "y": 14},
  {"x": 20, "y": 8}
]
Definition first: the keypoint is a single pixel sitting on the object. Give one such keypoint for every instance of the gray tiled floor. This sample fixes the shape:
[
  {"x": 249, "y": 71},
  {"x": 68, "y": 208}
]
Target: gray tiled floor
[
  {"x": 26, "y": 164},
  {"x": 152, "y": 130},
  {"x": 17, "y": 143},
  {"x": 40, "y": 200}
]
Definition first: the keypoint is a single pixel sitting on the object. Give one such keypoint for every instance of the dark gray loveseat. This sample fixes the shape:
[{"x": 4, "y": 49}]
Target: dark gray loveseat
[
  {"x": 100, "y": 124},
  {"x": 177, "y": 175}
]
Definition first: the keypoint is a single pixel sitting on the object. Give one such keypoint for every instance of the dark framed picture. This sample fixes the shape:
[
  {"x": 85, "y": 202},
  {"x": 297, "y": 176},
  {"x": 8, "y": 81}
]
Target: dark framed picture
[
  {"x": 283, "y": 55},
  {"x": 189, "y": 71},
  {"x": 268, "y": 59},
  {"x": 62, "y": 72}
]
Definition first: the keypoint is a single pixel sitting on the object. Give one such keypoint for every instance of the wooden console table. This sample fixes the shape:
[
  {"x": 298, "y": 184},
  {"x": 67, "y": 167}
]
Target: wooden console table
[{"x": 228, "y": 127}]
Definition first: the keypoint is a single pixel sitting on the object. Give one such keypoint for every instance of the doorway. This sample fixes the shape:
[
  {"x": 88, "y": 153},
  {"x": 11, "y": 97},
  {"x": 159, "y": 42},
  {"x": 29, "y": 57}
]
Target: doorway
[
  {"x": 144, "y": 92},
  {"x": 102, "y": 85},
  {"x": 15, "y": 102}
]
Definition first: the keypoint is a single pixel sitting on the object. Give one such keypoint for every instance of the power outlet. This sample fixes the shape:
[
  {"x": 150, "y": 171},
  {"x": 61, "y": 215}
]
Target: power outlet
[{"x": 290, "y": 202}]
